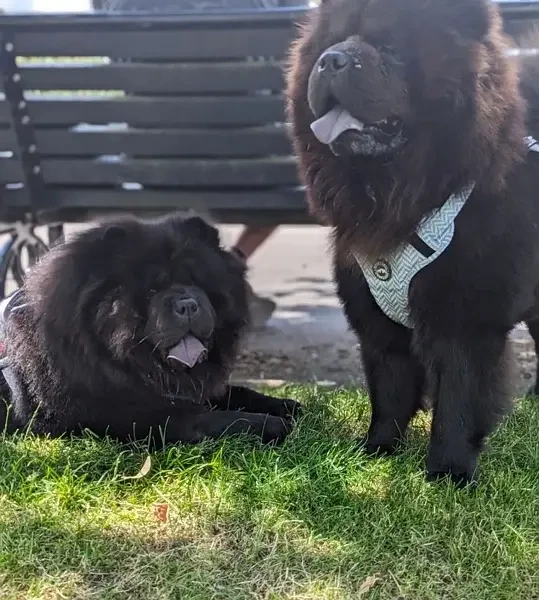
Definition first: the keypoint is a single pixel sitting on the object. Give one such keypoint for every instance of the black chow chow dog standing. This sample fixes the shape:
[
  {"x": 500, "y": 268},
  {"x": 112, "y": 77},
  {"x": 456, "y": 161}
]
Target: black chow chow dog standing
[
  {"x": 131, "y": 330},
  {"x": 410, "y": 126}
]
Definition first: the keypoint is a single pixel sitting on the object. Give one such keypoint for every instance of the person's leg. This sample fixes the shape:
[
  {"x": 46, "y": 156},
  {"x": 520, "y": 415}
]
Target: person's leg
[{"x": 250, "y": 239}]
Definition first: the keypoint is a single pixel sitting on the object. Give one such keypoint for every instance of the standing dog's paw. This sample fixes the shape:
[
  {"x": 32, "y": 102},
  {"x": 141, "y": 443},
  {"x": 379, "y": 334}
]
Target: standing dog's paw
[
  {"x": 461, "y": 475},
  {"x": 458, "y": 479},
  {"x": 373, "y": 449}
]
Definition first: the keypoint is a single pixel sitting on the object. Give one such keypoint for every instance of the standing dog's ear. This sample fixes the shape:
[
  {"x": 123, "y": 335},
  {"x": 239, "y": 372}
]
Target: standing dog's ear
[{"x": 471, "y": 19}]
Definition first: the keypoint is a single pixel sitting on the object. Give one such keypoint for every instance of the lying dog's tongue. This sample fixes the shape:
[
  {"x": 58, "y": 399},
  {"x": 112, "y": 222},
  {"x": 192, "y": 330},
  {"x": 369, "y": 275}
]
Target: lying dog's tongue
[
  {"x": 188, "y": 352},
  {"x": 329, "y": 127}
]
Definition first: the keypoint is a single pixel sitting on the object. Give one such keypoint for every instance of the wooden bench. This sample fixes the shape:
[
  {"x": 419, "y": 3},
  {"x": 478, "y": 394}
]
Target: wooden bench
[{"x": 147, "y": 113}]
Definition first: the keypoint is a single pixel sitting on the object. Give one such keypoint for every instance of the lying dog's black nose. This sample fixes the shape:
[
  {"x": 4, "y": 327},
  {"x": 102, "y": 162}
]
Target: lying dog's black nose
[
  {"x": 186, "y": 307},
  {"x": 334, "y": 61}
]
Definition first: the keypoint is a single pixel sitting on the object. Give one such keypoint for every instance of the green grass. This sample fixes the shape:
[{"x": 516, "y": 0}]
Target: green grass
[{"x": 312, "y": 519}]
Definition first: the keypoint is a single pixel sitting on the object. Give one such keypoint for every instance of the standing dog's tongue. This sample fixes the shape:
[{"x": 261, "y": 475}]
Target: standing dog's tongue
[
  {"x": 330, "y": 126},
  {"x": 189, "y": 351}
]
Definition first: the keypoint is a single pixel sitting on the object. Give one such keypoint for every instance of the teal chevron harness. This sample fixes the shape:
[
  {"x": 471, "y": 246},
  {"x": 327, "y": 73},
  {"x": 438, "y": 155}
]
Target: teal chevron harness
[{"x": 389, "y": 277}]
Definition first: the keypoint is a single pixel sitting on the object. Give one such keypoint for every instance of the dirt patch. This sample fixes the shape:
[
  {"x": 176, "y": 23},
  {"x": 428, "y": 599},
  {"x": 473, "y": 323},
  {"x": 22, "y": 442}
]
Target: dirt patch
[{"x": 329, "y": 356}]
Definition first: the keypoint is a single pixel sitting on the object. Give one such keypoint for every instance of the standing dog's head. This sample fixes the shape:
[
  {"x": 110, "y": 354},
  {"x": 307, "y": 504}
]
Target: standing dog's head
[{"x": 395, "y": 102}]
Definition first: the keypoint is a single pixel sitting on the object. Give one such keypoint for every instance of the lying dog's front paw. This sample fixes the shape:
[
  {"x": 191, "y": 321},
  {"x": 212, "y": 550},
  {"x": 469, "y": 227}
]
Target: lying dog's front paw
[
  {"x": 281, "y": 407},
  {"x": 290, "y": 409},
  {"x": 275, "y": 430}
]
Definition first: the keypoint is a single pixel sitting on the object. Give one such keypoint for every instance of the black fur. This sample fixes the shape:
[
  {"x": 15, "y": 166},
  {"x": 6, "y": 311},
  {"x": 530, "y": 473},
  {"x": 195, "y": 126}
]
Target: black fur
[
  {"x": 90, "y": 345},
  {"x": 464, "y": 120}
]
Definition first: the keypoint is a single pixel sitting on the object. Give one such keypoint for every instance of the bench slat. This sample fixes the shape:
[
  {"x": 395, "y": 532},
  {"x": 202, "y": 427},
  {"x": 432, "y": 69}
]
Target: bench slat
[
  {"x": 199, "y": 42},
  {"x": 252, "y": 206},
  {"x": 286, "y": 205},
  {"x": 251, "y": 142},
  {"x": 5, "y": 112},
  {"x": 286, "y": 199},
  {"x": 156, "y": 79},
  {"x": 206, "y": 173},
  {"x": 8, "y": 140},
  {"x": 10, "y": 171},
  {"x": 158, "y": 112}
]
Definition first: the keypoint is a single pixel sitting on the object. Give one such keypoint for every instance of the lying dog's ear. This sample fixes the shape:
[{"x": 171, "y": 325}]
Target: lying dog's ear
[
  {"x": 200, "y": 228},
  {"x": 114, "y": 234}
]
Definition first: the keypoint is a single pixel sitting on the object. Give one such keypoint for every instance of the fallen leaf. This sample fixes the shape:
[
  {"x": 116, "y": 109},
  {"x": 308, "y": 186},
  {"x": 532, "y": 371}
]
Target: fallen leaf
[
  {"x": 160, "y": 512},
  {"x": 367, "y": 585},
  {"x": 144, "y": 470}
]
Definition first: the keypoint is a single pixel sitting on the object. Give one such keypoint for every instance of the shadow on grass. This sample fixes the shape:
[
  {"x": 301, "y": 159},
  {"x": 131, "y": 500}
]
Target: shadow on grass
[
  {"x": 313, "y": 517},
  {"x": 52, "y": 555}
]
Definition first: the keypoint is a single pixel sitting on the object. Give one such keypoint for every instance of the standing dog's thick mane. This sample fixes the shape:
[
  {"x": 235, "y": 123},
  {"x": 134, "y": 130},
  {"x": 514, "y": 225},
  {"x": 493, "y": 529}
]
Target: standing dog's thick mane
[{"x": 466, "y": 120}]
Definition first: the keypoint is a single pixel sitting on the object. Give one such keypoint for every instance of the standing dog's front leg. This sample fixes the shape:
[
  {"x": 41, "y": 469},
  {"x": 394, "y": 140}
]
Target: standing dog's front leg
[
  {"x": 395, "y": 377},
  {"x": 395, "y": 380},
  {"x": 470, "y": 392}
]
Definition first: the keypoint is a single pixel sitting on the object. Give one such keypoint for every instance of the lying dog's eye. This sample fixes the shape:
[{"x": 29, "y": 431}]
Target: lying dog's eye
[
  {"x": 387, "y": 50},
  {"x": 390, "y": 54}
]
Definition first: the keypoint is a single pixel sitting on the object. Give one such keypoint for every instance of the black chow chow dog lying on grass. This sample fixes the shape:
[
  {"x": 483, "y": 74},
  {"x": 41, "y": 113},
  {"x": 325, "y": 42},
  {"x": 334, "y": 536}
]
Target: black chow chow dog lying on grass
[{"x": 131, "y": 329}]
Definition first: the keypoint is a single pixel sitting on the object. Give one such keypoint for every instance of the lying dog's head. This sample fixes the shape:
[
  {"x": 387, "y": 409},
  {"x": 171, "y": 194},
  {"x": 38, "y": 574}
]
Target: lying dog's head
[
  {"x": 158, "y": 304},
  {"x": 401, "y": 100}
]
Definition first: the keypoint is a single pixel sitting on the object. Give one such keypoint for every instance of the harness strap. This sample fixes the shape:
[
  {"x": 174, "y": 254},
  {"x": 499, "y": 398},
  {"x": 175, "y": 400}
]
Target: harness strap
[
  {"x": 531, "y": 143},
  {"x": 389, "y": 277}
]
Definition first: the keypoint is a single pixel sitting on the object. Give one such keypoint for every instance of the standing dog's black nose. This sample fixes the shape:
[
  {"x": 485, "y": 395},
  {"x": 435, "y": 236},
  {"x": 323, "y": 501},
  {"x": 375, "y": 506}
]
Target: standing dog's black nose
[
  {"x": 334, "y": 61},
  {"x": 186, "y": 307}
]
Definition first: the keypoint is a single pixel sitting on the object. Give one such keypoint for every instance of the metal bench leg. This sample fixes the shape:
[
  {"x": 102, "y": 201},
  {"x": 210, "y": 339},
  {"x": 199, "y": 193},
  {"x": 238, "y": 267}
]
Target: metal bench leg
[
  {"x": 6, "y": 260},
  {"x": 23, "y": 243},
  {"x": 56, "y": 235}
]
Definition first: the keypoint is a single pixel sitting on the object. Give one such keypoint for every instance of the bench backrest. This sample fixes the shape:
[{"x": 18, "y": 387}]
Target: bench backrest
[{"x": 153, "y": 113}]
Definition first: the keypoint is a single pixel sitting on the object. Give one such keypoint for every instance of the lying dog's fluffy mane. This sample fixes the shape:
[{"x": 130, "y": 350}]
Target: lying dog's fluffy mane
[
  {"x": 471, "y": 128},
  {"x": 80, "y": 334}
]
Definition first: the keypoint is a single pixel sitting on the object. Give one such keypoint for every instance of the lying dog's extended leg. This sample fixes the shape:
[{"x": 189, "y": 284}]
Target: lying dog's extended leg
[
  {"x": 242, "y": 398},
  {"x": 164, "y": 425},
  {"x": 470, "y": 397},
  {"x": 219, "y": 423}
]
